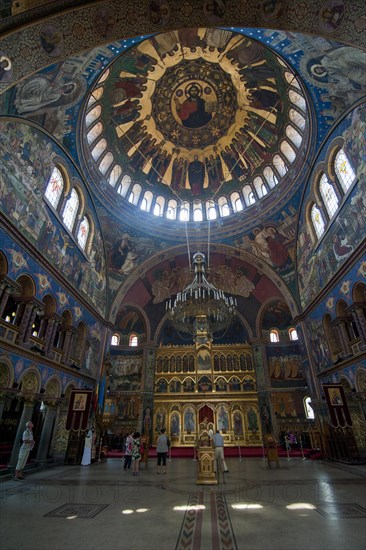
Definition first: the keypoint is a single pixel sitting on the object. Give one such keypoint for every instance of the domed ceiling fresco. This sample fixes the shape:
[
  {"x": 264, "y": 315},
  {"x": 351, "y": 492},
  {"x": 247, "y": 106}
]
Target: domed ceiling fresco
[{"x": 195, "y": 113}]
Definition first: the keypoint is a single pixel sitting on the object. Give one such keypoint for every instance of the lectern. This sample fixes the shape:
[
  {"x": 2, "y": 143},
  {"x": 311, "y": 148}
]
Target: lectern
[{"x": 205, "y": 456}]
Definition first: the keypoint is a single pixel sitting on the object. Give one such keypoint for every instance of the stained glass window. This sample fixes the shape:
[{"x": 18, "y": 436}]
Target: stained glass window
[
  {"x": 83, "y": 232},
  {"x": 55, "y": 187},
  {"x": 70, "y": 210},
  {"x": 344, "y": 170},
  {"x": 318, "y": 222},
  {"x": 328, "y": 195}
]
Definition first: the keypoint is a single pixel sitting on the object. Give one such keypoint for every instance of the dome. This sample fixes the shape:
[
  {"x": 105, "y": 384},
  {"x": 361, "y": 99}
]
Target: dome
[{"x": 196, "y": 124}]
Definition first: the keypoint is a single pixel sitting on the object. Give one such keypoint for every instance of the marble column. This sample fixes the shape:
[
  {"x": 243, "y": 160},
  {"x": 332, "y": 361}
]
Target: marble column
[
  {"x": 344, "y": 337},
  {"x": 27, "y": 312},
  {"x": 66, "y": 347},
  {"x": 26, "y": 417},
  {"x": 46, "y": 435},
  {"x": 28, "y": 331},
  {"x": 4, "y": 299},
  {"x": 359, "y": 318}
]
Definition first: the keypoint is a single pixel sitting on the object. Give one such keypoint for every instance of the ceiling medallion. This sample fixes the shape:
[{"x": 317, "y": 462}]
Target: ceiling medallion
[{"x": 194, "y": 104}]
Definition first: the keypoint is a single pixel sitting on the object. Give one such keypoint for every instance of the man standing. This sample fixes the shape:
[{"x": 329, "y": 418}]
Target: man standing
[
  {"x": 218, "y": 443},
  {"x": 128, "y": 451},
  {"x": 25, "y": 449}
]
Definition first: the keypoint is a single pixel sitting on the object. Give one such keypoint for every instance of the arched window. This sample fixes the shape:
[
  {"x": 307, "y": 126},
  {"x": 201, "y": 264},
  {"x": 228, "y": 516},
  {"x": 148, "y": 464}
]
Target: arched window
[
  {"x": 94, "y": 132},
  {"x": 297, "y": 99},
  {"x": 135, "y": 194},
  {"x": 309, "y": 411},
  {"x": 105, "y": 163},
  {"x": 280, "y": 165},
  {"x": 184, "y": 212},
  {"x": 288, "y": 151},
  {"x": 96, "y": 95},
  {"x": 328, "y": 195},
  {"x": 99, "y": 148},
  {"x": 115, "y": 339},
  {"x": 293, "y": 135},
  {"x": 223, "y": 207},
  {"x": 297, "y": 119},
  {"x": 159, "y": 206},
  {"x": 270, "y": 177},
  {"x": 71, "y": 210},
  {"x": 249, "y": 197},
  {"x": 274, "y": 336},
  {"x": 344, "y": 170},
  {"x": 93, "y": 115},
  {"x": 171, "y": 212},
  {"x": 133, "y": 342},
  {"x": 147, "y": 201},
  {"x": 197, "y": 212},
  {"x": 124, "y": 185},
  {"x": 318, "y": 222},
  {"x": 211, "y": 210},
  {"x": 293, "y": 334},
  {"x": 115, "y": 174},
  {"x": 55, "y": 187},
  {"x": 236, "y": 202},
  {"x": 83, "y": 232},
  {"x": 259, "y": 187}
]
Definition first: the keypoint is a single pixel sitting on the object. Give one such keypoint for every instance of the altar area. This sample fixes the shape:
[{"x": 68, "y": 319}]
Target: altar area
[{"x": 216, "y": 384}]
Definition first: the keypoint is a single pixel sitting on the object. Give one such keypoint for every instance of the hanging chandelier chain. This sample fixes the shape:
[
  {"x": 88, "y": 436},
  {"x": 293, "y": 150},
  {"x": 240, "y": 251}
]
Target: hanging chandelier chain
[{"x": 201, "y": 303}]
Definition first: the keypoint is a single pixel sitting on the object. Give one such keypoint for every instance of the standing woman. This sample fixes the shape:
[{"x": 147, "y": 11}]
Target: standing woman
[
  {"x": 86, "y": 460},
  {"x": 25, "y": 449},
  {"x": 162, "y": 448},
  {"x": 136, "y": 453}
]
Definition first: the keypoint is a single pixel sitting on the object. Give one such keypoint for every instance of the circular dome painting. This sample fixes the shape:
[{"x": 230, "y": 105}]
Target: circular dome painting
[{"x": 195, "y": 115}]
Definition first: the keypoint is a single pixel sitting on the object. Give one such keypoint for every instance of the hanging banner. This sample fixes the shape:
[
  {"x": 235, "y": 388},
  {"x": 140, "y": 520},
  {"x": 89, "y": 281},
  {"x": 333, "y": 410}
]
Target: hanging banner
[
  {"x": 79, "y": 408},
  {"x": 337, "y": 405}
]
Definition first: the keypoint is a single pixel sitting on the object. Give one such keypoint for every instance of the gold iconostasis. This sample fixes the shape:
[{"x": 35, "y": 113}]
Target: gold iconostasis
[{"x": 219, "y": 388}]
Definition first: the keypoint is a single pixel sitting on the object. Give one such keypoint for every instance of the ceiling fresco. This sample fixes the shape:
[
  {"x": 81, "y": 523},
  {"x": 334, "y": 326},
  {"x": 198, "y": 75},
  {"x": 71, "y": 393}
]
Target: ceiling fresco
[{"x": 192, "y": 112}]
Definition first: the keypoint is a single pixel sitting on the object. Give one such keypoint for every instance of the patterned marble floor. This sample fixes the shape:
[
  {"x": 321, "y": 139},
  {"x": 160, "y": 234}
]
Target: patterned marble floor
[{"x": 302, "y": 505}]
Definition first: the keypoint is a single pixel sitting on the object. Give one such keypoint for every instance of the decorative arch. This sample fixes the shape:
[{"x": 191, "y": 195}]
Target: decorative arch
[
  {"x": 6, "y": 372},
  {"x": 30, "y": 381},
  {"x": 359, "y": 292},
  {"x": 28, "y": 286},
  {"x": 53, "y": 387},
  {"x": 4, "y": 266}
]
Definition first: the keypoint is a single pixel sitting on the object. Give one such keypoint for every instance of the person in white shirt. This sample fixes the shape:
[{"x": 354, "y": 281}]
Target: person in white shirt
[
  {"x": 218, "y": 443},
  {"x": 25, "y": 449}
]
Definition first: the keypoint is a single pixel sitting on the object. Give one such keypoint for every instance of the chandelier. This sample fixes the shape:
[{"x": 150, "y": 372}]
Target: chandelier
[{"x": 201, "y": 308}]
